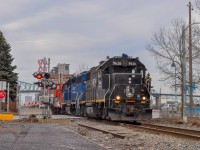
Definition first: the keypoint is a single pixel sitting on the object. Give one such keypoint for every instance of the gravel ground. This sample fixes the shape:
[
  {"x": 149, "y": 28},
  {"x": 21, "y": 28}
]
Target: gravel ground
[{"x": 137, "y": 139}]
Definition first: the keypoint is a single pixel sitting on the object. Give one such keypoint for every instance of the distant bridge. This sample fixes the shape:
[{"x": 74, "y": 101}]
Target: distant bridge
[
  {"x": 156, "y": 94},
  {"x": 25, "y": 87}
]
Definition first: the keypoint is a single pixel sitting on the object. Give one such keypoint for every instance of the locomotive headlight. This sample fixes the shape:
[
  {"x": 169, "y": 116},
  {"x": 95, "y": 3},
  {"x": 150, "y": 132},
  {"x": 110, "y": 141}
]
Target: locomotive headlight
[
  {"x": 118, "y": 97},
  {"x": 144, "y": 98}
]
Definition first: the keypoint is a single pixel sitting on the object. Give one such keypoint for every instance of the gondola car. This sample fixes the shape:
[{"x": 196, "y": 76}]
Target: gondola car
[{"x": 113, "y": 90}]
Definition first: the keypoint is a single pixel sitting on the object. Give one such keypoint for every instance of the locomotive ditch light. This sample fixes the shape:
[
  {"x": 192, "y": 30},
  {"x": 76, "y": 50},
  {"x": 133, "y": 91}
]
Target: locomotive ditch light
[
  {"x": 118, "y": 97},
  {"x": 117, "y": 100},
  {"x": 144, "y": 98},
  {"x": 143, "y": 102}
]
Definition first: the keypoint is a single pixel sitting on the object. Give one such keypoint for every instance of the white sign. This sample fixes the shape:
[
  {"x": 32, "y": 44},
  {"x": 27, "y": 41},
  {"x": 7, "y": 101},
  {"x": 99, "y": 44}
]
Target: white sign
[
  {"x": 44, "y": 99},
  {"x": 2, "y": 85},
  {"x": 43, "y": 65}
]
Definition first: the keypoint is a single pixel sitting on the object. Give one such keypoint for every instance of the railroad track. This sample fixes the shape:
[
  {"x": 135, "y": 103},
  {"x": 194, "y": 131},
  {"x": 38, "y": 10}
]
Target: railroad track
[
  {"x": 118, "y": 132},
  {"x": 180, "y": 132},
  {"x": 112, "y": 131}
]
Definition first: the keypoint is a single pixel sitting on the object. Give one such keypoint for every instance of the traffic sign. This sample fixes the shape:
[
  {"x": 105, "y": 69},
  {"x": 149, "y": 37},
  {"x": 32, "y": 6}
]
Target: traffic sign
[{"x": 2, "y": 94}]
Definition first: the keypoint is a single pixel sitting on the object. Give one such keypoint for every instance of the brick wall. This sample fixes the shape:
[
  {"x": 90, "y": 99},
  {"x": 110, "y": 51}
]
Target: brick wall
[{"x": 12, "y": 106}]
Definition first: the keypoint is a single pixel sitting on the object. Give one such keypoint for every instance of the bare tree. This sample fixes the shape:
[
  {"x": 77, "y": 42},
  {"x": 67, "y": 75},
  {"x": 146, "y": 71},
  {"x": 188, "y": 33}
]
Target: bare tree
[
  {"x": 81, "y": 68},
  {"x": 165, "y": 47}
]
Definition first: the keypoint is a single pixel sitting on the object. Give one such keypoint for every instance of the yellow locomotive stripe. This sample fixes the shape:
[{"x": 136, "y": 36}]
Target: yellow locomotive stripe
[{"x": 93, "y": 101}]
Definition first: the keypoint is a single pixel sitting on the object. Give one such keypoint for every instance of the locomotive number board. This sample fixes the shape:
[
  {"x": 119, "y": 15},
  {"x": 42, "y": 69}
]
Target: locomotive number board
[{"x": 123, "y": 62}]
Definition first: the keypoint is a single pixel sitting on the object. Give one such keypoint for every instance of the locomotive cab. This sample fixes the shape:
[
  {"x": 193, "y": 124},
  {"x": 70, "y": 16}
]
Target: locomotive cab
[{"x": 128, "y": 97}]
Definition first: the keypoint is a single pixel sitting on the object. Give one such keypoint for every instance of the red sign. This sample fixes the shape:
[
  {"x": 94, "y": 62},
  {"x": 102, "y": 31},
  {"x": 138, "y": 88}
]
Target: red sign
[{"x": 2, "y": 94}]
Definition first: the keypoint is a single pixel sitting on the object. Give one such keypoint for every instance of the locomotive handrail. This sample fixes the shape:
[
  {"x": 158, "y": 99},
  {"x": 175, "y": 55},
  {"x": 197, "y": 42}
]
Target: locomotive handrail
[
  {"x": 111, "y": 94},
  {"x": 101, "y": 65},
  {"x": 128, "y": 73},
  {"x": 107, "y": 91}
]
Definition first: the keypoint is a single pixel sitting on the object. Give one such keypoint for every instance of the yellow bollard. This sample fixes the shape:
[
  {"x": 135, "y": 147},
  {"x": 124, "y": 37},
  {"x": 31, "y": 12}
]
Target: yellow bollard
[{"x": 6, "y": 116}]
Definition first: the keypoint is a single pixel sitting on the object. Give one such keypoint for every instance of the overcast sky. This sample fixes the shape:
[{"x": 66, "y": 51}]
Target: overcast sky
[{"x": 79, "y": 32}]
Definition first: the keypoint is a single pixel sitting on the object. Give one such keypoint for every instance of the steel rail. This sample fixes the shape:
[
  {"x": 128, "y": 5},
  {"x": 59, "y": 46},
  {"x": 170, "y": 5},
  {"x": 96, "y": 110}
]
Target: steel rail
[
  {"x": 180, "y": 132},
  {"x": 104, "y": 131}
]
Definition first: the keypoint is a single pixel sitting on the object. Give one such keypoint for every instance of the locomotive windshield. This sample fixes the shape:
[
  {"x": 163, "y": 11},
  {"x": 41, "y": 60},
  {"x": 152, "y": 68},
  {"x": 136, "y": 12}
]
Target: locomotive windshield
[{"x": 122, "y": 69}]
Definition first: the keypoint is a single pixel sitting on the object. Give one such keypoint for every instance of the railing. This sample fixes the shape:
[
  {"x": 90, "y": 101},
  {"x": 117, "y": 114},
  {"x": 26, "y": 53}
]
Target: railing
[{"x": 25, "y": 87}]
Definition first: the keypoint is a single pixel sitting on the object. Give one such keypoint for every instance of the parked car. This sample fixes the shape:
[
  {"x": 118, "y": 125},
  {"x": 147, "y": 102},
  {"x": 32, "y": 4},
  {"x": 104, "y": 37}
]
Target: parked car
[{"x": 169, "y": 108}]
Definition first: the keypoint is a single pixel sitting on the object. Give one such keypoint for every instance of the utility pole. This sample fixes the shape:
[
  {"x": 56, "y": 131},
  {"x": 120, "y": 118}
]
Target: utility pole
[
  {"x": 184, "y": 118},
  {"x": 190, "y": 60}
]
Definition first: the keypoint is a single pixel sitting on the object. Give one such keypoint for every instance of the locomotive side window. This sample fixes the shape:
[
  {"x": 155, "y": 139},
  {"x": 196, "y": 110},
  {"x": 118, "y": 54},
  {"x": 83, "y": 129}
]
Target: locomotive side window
[{"x": 142, "y": 72}]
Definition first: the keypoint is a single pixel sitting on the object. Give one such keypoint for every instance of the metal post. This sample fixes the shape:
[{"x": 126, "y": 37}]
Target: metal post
[
  {"x": 174, "y": 65},
  {"x": 0, "y": 104},
  {"x": 19, "y": 99},
  {"x": 183, "y": 116},
  {"x": 8, "y": 96},
  {"x": 48, "y": 65},
  {"x": 190, "y": 61},
  {"x": 175, "y": 88}
]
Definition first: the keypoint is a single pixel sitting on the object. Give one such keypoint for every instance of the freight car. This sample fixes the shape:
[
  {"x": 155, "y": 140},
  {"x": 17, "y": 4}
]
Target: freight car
[{"x": 115, "y": 90}]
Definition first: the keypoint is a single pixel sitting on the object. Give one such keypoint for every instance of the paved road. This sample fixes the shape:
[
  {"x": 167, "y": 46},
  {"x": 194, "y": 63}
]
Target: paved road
[{"x": 35, "y": 136}]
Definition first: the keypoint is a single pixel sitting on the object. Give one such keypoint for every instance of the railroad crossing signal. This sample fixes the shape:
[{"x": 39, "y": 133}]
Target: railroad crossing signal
[
  {"x": 40, "y": 75},
  {"x": 2, "y": 94},
  {"x": 44, "y": 80}
]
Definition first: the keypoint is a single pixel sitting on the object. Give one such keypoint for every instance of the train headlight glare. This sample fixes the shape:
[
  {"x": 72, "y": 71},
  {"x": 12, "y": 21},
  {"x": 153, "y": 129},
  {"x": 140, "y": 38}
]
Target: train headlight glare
[
  {"x": 118, "y": 97},
  {"x": 144, "y": 98}
]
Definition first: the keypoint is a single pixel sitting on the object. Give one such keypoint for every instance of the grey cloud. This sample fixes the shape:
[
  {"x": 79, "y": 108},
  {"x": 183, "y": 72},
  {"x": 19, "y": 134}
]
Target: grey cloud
[{"x": 78, "y": 32}]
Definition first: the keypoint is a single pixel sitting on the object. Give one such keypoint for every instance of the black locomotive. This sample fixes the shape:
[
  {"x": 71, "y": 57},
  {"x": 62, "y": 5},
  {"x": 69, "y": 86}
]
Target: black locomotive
[{"x": 115, "y": 90}]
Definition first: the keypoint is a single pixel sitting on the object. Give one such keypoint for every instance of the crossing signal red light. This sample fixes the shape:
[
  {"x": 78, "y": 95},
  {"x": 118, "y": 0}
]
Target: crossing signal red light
[
  {"x": 39, "y": 76},
  {"x": 46, "y": 75}
]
